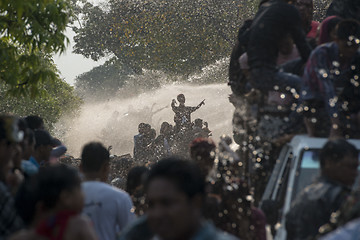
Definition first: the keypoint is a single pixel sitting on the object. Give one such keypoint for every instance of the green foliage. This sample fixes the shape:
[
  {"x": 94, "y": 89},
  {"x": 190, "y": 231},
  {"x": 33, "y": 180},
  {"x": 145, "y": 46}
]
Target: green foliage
[
  {"x": 102, "y": 81},
  {"x": 55, "y": 100},
  {"x": 177, "y": 37},
  {"x": 31, "y": 30},
  {"x": 181, "y": 37}
]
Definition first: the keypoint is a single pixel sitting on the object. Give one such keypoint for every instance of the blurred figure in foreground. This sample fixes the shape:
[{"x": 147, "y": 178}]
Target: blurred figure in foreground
[
  {"x": 175, "y": 192},
  {"x": 110, "y": 209},
  {"x": 50, "y": 203},
  {"x": 314, "y": 206},
  {"x": 10, "y": 136},
  {"x": 135, "y": 188}
]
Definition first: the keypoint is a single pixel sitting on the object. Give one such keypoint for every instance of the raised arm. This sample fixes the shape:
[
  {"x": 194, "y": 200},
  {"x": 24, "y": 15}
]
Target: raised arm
[{"x": 173, "y": 106}]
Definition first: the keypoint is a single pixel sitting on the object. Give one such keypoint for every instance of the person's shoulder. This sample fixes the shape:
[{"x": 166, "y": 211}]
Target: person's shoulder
[
  {"x": 26, "y": 235},
  {"x": 138, "y": 229},
  {"x": 330, "y": 46},
  {"x": 80, "y": 227},
  {"x": 323, "y": 50},
  {"x": 79, "y": 221},
  {"x": 322, "y": 189},
  {"x": 224, "y": 236},
  {"x": 350, "y": 231},
  {"x": 105, "y": 187},
  {"x": 313, "y": 192},
  {"x": 209, "y": 232}
]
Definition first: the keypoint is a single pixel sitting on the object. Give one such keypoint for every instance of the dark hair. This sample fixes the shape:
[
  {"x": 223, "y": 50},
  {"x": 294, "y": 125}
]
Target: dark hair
[
  {"x": 336, "y": 150},
  {"x": 9, "y": 129},
  {"x": 185, "y": 175},
  {"x": 332, "y": 24},
  {"x": 135, "y": 178},
  {"x": 94, "y": 155},
  {"x": 53, "y": 180},
  {"x": 181, "y": 97},
  {"x": 347, "y": 28},
  {"x": 34, "y": 122},
  {"x": 202, "y": 147},
  {"x": 42, "y": 138},
  {"x": 46, "y": 187},
  {"x": 23, "y": 126},
  {"x": 30, "y": 136},
  {"x": 26, "y": 198},
  {"x": 3, "y": 132}
]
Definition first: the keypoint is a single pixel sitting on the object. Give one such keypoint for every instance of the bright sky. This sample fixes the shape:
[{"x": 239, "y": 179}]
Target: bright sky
[{"x": 72, "y": 65}]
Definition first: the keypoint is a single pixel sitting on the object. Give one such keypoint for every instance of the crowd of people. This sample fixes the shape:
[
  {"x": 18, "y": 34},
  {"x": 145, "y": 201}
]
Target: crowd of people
[
  {"x": 292, "y": 75},
  {"x": 173, "y": 139},
  {"x": 282, "y": 61},
  {"x": 308, "y": 70},
  {"x": 43, "y": 198}
]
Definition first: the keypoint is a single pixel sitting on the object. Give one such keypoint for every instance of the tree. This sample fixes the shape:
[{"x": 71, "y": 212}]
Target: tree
[
  {"x": 56, "y": 99},
  {"x": 30, "y": 32},
  {"x": 177, "y": 37},
  {"x": 102, "y": 81}
]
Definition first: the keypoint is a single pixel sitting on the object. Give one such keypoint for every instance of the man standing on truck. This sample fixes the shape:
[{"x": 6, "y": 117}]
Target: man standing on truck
[
  {"x": 182, "y": 116},
  {"x": 313, "y": 207}
]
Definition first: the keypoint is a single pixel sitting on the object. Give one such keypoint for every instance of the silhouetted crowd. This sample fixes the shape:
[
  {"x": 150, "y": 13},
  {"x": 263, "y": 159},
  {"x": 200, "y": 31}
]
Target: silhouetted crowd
[
  {"x": 172, "y": 140},
  {"x": 289, "y": 75}
]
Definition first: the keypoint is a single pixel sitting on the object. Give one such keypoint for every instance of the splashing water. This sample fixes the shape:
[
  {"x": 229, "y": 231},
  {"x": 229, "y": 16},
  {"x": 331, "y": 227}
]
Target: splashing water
[{"x": 115, "y": 121}]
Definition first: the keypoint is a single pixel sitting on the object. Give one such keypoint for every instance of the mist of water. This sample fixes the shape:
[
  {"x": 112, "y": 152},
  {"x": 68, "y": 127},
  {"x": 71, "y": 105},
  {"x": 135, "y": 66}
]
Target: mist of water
[{"x": 115, "y": 121}]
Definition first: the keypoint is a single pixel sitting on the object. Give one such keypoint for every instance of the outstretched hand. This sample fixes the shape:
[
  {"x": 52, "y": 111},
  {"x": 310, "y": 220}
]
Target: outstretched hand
[{"x": 201, "y": 103}]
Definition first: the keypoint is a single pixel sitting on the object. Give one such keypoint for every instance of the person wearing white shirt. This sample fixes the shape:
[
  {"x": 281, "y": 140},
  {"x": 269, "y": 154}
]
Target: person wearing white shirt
[{"x": 109, "y": 208}]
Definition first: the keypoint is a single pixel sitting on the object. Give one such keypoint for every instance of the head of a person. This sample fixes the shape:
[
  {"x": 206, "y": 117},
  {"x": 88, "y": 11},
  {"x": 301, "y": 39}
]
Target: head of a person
[
  {"x": 28, "y": 143},
  {"x": 348, "y": 37},
  {"x": 181, "y": 98},
  {"x": 43, "y": 145},
  {"x": 10, "y": 137},
  {"x": 35, "y": 122},
  {"x": 198, "y": 123},
  {"x": 165, "y": 128},
  {"x": 95, "y": 161},
  {"x": 147, "y": 130},
  {"x": 339, "y": 161},
  {"x": 306, "y": 10},
  {"x": 174, "y": 190},
  {"x": 327, "y": 30},
  {"x": 152, "y": 134},
  {"x": 52, "y": 189},
  {"x": 141, "y": 128},
  {"x": 135, "y": 179},
  {"x": 202, "y": 152}
]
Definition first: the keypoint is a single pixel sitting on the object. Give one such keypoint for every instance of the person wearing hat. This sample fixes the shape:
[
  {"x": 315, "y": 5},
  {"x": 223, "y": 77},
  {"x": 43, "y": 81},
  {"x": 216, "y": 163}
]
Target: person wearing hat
[
  {"x": 10, "y": 136},
  {"x": 43, "y": 146}
]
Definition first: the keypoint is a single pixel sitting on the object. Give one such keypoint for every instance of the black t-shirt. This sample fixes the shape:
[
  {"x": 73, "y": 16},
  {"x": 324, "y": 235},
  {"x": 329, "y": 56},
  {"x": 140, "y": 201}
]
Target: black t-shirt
[{"x": 272, "y": 23}]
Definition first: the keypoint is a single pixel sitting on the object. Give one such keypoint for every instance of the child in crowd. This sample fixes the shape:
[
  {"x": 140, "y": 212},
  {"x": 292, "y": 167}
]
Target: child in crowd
[{"x": 50, "y": 204}]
